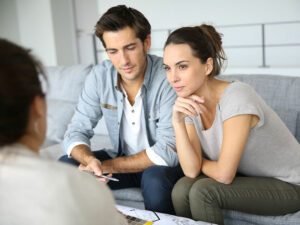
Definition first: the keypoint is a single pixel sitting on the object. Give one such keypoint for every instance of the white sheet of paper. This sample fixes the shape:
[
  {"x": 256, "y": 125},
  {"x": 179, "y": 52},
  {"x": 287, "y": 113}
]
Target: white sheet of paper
[{"x": 159, "y": 218}]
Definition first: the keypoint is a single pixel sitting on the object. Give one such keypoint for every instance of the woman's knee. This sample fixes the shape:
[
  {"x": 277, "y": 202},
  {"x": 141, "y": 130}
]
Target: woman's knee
[
  {"x": 204, "y": 192},
  {"x": 182, "y": 188}
]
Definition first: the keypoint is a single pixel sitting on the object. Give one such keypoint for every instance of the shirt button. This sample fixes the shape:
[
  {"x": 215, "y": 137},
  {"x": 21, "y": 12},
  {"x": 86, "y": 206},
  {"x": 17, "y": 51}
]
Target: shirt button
[
  {"x": 133, "y": 123},
  {"x": 132, "y": 111}
]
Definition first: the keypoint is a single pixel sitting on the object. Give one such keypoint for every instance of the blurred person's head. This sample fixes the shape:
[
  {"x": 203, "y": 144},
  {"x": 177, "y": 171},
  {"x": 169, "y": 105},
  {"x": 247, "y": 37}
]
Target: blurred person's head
[
  {"x": 193, "y": 55},
  {"x": 22, "y": 101},
  {"x": 125, "y": 35}
]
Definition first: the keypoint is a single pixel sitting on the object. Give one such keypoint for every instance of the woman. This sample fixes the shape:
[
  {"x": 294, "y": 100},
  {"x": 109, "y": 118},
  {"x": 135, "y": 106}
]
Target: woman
[
  {"x": 33, "y": 190},
  {"x": 234, "y": 150}
]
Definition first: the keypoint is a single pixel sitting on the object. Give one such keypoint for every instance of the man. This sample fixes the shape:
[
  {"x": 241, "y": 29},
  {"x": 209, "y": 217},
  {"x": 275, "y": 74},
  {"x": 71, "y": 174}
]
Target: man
[{"x": 132, "y": 93}]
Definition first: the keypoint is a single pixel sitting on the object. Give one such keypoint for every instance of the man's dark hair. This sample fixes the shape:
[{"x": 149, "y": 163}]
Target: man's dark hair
[
  {"x": 19, "y": 84},
  {"x": 119, "y": 17}
]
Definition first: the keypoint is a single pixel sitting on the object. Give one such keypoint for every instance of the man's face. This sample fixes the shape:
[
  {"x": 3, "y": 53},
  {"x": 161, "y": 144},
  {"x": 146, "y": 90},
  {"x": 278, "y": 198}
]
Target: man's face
[{"x": 127, "y": 53}]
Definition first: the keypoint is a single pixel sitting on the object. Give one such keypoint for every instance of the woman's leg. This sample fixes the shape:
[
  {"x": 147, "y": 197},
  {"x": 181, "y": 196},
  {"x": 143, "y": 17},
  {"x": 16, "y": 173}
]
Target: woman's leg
[
  {"x": 254, "y": 195},
  {"x": 180, "y": 196}
]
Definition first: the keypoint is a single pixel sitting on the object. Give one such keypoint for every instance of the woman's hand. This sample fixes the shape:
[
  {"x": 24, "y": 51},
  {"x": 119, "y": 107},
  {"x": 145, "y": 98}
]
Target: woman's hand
[{"x": 188, "y": 106}]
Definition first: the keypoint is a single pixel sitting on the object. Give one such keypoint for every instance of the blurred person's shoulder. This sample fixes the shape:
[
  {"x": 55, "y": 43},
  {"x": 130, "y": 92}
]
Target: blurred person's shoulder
[{"x": 33, "y": 181}]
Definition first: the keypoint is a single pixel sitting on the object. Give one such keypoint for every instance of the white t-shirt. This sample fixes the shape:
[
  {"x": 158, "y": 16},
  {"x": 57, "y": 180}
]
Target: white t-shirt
[
  {"x": 271, "y": 149},
  {"x": 134, "y": 134},
  {"x": 36, "y": 191}
]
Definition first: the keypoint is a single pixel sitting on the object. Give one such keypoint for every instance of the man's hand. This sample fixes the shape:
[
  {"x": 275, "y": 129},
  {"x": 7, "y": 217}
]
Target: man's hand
[
  {"x": 94, "y": 166},
  {"x": 87, "y": 160}
]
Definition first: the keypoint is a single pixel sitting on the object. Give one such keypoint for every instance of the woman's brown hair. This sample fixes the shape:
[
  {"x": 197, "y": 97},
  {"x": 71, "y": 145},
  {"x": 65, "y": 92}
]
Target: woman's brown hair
[
  {"x": 19, "y": 84},
  {"x": 205, "y": 43}
]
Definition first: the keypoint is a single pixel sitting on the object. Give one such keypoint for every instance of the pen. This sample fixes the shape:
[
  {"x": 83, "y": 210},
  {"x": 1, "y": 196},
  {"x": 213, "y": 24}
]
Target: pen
[{"x": 103, "y": 176}]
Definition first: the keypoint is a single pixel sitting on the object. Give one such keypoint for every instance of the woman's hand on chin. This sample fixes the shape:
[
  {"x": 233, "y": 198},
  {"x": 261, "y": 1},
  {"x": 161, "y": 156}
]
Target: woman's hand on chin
[{"x": 186, "y": 106}]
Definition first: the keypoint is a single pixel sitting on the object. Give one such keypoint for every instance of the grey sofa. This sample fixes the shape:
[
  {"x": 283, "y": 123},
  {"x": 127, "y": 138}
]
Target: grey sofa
[{"x": 282, "y": 93}]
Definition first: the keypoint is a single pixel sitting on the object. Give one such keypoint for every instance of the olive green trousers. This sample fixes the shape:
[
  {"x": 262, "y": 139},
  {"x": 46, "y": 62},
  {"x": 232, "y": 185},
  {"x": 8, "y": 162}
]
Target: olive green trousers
[{"x": 203, "y": 198}]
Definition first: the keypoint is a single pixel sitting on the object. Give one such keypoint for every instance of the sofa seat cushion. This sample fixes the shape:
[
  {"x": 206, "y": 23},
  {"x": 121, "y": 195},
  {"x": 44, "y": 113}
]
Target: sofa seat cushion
[
  {"x": 239, "y": 218},
  {"x": 132, "y": 194}
]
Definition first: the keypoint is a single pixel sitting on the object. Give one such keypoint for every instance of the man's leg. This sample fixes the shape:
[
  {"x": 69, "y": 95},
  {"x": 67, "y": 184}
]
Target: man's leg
[
  {"x": 101, "y": 155},
  {"x": 157, "y": 183},
  {"x": 126, "y": 180}
]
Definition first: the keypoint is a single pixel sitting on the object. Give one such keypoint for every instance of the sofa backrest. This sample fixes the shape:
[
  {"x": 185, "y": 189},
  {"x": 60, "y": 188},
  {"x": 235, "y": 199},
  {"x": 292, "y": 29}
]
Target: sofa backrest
[
  {"x": 282, "y": 93},
  {"x": 65, "y": 86}
]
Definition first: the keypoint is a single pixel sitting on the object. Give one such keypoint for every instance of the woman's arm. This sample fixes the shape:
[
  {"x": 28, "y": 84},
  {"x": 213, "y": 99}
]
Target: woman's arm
[
  {"x": 187, "y": 142},
  {"x": 188, "y": 149},
  {"x": 235, "y": 135}
]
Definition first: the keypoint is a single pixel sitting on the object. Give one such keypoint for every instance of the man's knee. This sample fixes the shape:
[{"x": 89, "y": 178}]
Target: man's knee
[
  {"x": 154, "y": 176},
  {"x": 156, "y": 189},
  {"x": 161, "y": 176}
]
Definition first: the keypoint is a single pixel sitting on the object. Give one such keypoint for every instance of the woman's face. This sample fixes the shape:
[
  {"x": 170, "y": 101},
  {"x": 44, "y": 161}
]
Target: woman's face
[{"x": 185, "y": 72}]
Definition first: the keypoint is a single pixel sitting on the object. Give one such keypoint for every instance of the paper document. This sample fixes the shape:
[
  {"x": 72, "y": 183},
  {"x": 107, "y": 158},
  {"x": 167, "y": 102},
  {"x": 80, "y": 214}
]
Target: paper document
[{"x": 157, "y": 218}]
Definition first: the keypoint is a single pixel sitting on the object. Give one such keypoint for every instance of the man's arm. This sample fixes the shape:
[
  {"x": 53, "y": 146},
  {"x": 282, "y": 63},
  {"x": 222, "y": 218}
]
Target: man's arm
[
  {"x": 86, "y": 116},
  {"x": 84, "y": 155},
  {"x": 127, "y": 164},
  {"x": 165, "y": 146}
]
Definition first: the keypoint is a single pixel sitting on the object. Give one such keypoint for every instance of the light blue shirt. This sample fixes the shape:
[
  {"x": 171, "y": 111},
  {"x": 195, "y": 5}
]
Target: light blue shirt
[{"x": 102, "y": 96}]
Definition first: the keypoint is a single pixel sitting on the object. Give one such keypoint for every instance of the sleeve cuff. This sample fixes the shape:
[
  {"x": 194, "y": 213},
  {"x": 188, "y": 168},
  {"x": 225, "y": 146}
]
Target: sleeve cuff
[
  {"x": 73, "y": 145},
  {"x": 155, "y": 158}
]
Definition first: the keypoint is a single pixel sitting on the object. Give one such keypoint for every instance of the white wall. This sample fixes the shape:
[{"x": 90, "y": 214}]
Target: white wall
[
  {"x": 64, "y": 32},
  {"x": 9, "y": 14},
  {"x": 45, "y": 26},
  {"x": 86, "y": 16},
  {"x": 59, "y": 31},
  {"x": 175, "y": 13},
  {"x": 36, "y": 29}
]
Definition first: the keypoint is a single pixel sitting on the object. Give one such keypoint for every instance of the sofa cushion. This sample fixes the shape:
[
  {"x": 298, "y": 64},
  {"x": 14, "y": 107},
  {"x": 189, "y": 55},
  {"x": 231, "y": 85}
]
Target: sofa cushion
[
  {"x": 289, "y": 118},
  {"x": 238, "y": 218},
  {"x": 132, "y": 194},
  {"x": 298, "y": 127},
  {"x": 66, "y": 83},
  {"x": 64, "y": 87},
  {"x": 59, "y": 114}
]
